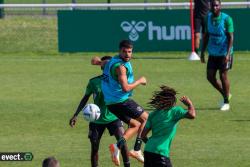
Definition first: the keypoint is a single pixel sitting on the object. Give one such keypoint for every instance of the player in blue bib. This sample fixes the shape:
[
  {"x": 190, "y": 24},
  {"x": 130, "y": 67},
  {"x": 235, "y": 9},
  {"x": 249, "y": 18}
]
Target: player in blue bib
[
  {"x": 107, "y": 120},
  {"x": 117, "y": 85},
  {"x": 218, "y": 39}
]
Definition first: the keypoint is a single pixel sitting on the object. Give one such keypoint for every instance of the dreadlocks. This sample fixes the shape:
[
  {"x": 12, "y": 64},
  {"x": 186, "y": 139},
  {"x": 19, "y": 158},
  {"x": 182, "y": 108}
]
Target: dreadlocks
[{"x": 163, "y": 99}]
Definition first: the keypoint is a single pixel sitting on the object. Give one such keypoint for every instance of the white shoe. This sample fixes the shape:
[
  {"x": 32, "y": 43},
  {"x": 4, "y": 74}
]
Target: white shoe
[
  {"x": 229, "y": 99},
  {"x": 115, "y": 152},
  {"x": 137, "y": 155},
  {"x": 225, "y": 107}
]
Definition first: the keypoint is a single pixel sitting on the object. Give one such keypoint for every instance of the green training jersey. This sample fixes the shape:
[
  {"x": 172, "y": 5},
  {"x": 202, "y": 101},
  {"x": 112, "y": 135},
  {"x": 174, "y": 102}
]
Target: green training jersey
[
  {"x": 163, "y": 124},
  {"x": 94, "y": 87}
]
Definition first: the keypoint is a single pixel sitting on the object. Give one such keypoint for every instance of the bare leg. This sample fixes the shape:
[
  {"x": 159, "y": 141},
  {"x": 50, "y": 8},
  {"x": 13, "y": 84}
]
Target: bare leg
[
  {"x": 197, "y": 41},
  {"x": 94, "y": 152},
  {"x": 124, "y": 148},
  {"x": 134, "y": 126},
  {"x": 131, "y": 131},
  {"x": 211, "y": 77},
  {"x": 136, "y": 153},
  {"x": 142, "y": 119},
  {"x": 225, "y": 84}
]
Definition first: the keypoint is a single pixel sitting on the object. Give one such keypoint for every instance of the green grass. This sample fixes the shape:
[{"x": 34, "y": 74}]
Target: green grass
[
  {"x": 41, "y": 88},
  {"x": 40, "y": 93},
  {"x": 28, "y": 34}
]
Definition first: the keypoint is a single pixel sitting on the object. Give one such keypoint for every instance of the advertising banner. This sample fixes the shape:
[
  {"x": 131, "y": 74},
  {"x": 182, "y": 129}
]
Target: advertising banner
[{"x": 149, "y": 30}]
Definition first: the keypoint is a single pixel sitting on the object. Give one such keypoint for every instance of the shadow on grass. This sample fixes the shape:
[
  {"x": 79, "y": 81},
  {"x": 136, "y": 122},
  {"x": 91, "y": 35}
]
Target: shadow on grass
[
  {"x": 207, "y": 108},
  {"x": 197, "y": 109},
  {"x": 240, "y": 120}
]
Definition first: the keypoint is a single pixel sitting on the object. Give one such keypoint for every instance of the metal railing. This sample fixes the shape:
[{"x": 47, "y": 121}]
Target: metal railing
[{"x": 44, "y": 7}]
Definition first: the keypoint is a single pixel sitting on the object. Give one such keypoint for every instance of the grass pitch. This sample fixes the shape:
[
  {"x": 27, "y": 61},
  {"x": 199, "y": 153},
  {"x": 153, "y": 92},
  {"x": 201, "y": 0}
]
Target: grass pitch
[
  {"x": 39, "y": 94},
  {"x": 40, "y": 90}
]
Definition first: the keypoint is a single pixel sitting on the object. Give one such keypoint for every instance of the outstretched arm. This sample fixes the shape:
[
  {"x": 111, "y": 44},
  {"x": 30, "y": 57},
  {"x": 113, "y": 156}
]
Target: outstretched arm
[
  {"x": 123, "y": 80},
  {"x": 82, "y": 103}
]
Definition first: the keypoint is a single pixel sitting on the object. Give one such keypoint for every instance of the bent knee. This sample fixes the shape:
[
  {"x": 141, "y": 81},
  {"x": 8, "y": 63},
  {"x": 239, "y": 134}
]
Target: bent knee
[
  {"x": 223, "y": 76},
  {"x": 134, "y": 123},
  {"x": 143, "y": 117}
]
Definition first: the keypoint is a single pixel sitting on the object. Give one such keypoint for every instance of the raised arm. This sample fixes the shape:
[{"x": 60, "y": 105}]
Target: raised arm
[{"x": 191, "y": 110}]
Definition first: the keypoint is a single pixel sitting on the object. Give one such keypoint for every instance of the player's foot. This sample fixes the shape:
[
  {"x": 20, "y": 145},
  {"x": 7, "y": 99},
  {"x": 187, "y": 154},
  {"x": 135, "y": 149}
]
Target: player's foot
[
  {"x": 229, "y": 99},
  {"x": 137, "y": 155},
  {"x": 225, "y": 107},
  {"x": 114, "y": 150}
]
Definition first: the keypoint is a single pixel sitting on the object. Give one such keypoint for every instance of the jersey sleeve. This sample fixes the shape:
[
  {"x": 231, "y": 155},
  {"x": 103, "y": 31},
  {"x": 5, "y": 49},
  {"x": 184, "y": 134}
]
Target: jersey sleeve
[
  {"x": 229, "y": 25},
  {"x": 179, "y": 113},
  {"x": 89, "y": 89}
]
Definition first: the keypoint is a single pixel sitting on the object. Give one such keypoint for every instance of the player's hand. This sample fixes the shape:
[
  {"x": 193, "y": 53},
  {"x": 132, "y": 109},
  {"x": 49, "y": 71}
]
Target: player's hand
[
  {"x": 186, "y": 101},
  {"x": 142, "y": 81},
  {"x": 203, "y": 58},
  {"x": 96, "y": 61},
  {"x": 72, "y": 121},
  {"x": 226, "y": 59}
]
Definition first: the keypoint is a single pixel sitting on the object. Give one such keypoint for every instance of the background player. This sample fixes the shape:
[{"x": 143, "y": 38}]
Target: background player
[
  {"x": 201, "y": 9},
  {"x": 219, "y": 39}
]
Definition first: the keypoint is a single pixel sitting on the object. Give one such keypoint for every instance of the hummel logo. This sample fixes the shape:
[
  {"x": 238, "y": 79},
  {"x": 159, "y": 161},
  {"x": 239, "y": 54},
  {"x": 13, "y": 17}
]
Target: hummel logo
[{"x": 133, "y": 28}]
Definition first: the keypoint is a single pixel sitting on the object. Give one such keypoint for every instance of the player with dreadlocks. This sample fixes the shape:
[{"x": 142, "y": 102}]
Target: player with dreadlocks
[{"x": 163, "y": 123}]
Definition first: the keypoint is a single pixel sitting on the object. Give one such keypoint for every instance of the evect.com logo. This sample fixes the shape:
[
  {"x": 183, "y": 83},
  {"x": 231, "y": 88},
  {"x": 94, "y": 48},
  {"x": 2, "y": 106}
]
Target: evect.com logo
[{"x": 16, "y": 156}]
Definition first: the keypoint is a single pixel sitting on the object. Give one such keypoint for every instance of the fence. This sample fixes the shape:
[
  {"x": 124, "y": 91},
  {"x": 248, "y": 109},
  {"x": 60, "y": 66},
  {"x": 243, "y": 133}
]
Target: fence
[{"x": 49, "y": 7}]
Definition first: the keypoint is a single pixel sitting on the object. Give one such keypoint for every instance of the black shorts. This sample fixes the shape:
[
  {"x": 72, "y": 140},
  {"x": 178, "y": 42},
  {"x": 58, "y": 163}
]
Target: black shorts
[
  {"x": 199, "y": 25},
  {"x": 156, "y": 160},
  {"x": 126, "y": 110},
  {"x": 217, "y": 63},
  {"x": 96, "y": 130}
]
